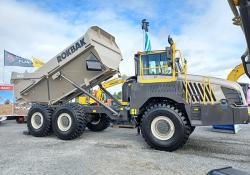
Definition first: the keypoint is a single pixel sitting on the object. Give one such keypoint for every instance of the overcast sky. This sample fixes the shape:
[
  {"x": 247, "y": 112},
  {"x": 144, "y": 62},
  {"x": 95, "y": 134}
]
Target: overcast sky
[{"x": 202, "y": 29}]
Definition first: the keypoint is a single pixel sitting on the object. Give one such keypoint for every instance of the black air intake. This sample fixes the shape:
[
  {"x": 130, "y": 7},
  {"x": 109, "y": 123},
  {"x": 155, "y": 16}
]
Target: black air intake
[
  {"x": 196, "y": 92},
  {"x": 232, "y": 96}
]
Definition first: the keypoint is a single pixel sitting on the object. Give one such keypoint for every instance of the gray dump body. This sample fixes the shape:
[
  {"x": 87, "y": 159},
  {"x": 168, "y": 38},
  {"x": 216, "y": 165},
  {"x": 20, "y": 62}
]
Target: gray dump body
[{"x": 79, "y": 62}]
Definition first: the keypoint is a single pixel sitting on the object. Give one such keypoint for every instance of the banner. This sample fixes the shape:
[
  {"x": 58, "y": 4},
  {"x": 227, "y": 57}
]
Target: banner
[
  {"x": 11, "y": 59},
  {"x": 37, "y": 62},
  {"x": 8, "y": 105},
  {"x": 6, "y": 100}
]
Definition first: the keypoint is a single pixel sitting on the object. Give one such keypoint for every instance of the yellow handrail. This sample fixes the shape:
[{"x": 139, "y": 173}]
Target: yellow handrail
[
  {"x": 205, "y": 84},
  {"x": 156, "y": 67},
  {"x": 204, "y": 90},
  {"x": 209, "y": 90},
  {"x": 173, "y": 49},
  {"x": 141, "y": 68},
  {"x": 186, "y": 83},
  {"x": 182, "y": 60}
]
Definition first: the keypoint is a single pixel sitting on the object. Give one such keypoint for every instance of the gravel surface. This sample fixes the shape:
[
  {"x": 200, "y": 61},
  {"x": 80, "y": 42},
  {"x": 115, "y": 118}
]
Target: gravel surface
[{"x": 119, "y": 151}]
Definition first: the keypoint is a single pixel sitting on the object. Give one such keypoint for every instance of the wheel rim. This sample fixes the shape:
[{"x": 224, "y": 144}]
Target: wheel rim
[
  {"x": 162, "y": 128},
  {"x": 37, "y": 120},
  {"x": 64, "y": 122}
]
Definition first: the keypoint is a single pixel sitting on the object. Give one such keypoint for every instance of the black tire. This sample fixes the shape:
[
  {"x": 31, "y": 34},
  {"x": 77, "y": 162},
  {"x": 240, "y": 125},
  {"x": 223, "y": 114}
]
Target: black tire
[
  {"x": 180, "y": 133},
  {"x": 78, "y": 122},
  {"x": 99, "y": 122},
  {"x": 45, "y": 114}
]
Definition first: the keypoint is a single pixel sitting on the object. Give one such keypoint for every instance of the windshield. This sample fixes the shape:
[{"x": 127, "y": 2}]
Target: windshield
[{"x": 156, "y": 64}]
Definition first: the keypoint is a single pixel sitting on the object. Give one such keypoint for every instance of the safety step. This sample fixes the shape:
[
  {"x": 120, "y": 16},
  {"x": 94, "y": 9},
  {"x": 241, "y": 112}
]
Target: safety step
[{"x": 124, "y": 126}]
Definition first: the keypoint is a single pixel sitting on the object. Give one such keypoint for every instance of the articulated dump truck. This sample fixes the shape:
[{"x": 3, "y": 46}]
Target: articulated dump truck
[{"x": 161, "y": 99}]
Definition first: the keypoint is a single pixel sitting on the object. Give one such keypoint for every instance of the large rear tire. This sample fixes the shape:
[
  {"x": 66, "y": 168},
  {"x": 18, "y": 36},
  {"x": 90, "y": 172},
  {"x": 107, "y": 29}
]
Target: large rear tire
[
  {"x": 39, "y": 120},
  {"x": 99, "y": 122},
  {"x": 164, "y": 127},
  {"x": 69, "y": 122}
]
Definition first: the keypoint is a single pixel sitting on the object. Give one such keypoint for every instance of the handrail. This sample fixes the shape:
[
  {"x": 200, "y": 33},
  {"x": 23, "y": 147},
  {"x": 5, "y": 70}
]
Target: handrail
[
  {"x": 160, "y": 69},
  {"x": 210, "y": 91},
  {"x": 204, "y": 90},
  {"x": 155, "y": 67},
  {"x": 204, "y": 85},
  {"x": 186, "y": 83},
  {"x": 182, "y": 60}
]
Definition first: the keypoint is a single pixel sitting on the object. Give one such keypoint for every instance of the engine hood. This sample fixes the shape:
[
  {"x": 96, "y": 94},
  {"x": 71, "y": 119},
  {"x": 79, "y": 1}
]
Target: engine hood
[{"x": 215, "y": 81}]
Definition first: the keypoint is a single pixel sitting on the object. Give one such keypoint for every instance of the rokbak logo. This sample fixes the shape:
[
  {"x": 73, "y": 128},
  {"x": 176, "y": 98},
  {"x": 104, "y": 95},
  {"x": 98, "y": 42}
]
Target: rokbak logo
[{"x": 71, "y": 50}]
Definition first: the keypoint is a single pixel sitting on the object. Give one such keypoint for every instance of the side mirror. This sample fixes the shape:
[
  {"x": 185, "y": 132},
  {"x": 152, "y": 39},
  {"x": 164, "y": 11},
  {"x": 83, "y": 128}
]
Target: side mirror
[
  {"x": 170, "y": 40},
  {"x": 185, "y": 61},
  {"x": 246, "y": 63}
]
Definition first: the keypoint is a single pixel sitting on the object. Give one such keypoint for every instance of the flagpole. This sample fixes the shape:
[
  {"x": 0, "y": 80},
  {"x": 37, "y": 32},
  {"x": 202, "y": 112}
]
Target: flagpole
[
  {"x": 143, "y": 40},
  {"x": 3, "y": 74}
]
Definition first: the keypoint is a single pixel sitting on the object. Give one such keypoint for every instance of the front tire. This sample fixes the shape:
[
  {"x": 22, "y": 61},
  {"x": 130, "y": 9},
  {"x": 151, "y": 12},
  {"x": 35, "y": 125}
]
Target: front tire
[
  {"x": 39, "y": 120},
  {"x": 99, "y": 122},
  {"x": 69, "y": 122},
  {"x": 164, "y": 127}
]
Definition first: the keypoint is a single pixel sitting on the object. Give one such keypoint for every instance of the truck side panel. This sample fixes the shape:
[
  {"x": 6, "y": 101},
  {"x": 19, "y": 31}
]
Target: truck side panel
[
  {"x": 141, "y": 93},
  {"x": 198, "y": 113}
]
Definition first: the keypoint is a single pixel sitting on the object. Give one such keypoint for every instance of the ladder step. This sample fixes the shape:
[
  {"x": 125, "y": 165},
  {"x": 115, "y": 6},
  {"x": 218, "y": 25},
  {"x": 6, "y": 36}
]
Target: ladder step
[{"x": 124, "y": 126}]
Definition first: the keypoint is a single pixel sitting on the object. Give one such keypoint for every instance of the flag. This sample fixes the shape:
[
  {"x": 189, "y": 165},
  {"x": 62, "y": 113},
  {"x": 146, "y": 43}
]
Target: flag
[
  {"x": 37, "y": 62},
  {"x": 144, "y": 26},
  {"x": 11, "y": 59},
  {"x": 147, "y": 47}
]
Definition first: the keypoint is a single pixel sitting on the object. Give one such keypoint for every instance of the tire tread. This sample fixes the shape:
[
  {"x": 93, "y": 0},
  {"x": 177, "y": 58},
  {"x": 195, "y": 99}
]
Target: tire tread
[
  {"x": 181, "y": 115},
  {"x": 48, "y": 127},
  {"x": 80, "y": 124}
]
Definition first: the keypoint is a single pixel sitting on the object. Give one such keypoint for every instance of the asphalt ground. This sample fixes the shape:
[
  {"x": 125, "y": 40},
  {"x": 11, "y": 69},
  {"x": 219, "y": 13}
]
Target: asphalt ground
[{"x": 119, "y": 151}]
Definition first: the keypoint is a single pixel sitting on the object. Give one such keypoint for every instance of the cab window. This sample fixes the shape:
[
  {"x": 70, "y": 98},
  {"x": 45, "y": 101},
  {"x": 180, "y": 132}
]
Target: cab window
[{"x": 156, "y": 64}]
